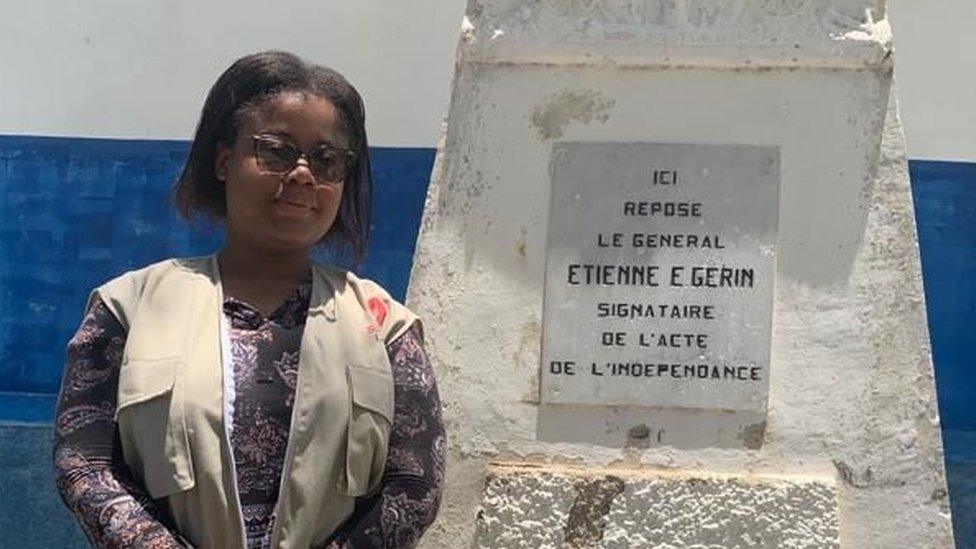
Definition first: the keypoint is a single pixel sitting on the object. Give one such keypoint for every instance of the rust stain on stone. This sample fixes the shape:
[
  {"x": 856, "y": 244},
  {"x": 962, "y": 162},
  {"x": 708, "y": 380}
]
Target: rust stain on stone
[{"x": 588, "y": 515}]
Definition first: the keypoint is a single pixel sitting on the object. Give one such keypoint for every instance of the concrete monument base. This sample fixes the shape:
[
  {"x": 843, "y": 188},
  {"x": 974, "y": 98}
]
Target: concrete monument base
[
  {"x": 801, "y": 411},
  {"x": 553, "y": 506}
]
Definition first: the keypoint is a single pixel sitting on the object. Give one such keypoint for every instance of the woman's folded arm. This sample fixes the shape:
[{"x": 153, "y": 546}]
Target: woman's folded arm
[
  {"x": 111, "y": 506},
  {"x": 410, "y": 493}
]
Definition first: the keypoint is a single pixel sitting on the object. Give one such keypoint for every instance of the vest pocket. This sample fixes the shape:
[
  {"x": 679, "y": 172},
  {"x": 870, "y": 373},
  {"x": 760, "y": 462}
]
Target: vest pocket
[
  {"x": 370, "y": 419},
  {"x": 152, "y": 425}
]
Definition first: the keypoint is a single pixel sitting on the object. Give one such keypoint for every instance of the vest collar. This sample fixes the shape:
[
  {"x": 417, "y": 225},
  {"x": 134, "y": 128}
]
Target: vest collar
[{"x": 324, "y": 291}]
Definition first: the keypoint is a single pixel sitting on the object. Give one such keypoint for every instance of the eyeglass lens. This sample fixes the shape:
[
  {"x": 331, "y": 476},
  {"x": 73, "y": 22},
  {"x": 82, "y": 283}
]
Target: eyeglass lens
[{"x": 327, "y": 164}]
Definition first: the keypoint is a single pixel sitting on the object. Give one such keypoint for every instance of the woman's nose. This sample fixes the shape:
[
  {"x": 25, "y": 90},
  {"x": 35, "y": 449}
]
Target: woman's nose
[{"x": 301, "y": 173}]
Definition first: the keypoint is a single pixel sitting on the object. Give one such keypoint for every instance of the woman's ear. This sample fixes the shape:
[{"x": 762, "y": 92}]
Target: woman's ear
[{"x": 222, "y": 161}]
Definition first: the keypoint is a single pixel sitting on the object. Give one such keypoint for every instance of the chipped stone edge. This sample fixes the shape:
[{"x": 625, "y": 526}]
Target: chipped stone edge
[{"x": 498, "y": 469}]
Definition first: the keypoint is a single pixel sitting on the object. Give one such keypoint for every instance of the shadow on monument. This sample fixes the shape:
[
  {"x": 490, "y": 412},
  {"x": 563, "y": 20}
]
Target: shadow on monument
[{"x": 631, "y": 427}]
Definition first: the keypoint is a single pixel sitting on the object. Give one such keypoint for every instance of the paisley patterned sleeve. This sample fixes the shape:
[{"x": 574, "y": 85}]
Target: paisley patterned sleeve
[
  {"x": 410, "y": 494},
  {"x": 112, "y": 507}
]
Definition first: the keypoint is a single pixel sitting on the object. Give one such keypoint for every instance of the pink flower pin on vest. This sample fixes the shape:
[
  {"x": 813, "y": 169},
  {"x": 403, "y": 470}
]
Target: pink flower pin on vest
[{"x": 377, "y": 310}]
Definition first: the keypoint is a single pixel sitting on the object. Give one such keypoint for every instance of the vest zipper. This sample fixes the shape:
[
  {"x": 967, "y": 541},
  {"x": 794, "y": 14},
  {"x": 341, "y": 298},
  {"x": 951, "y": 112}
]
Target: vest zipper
[
  {"x": 227, "y": 379},
  {"x": 289, "y": 450}
]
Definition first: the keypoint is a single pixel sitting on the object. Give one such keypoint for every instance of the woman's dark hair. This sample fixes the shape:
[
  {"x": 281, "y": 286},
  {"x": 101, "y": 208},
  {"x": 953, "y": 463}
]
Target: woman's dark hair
[{"x": 248, "y": 83}]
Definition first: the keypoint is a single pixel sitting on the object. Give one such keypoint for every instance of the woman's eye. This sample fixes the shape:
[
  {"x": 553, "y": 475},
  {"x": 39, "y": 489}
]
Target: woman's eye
[
  {"x": 327, "y": 158},
  {"x": 279, "y": 149}
]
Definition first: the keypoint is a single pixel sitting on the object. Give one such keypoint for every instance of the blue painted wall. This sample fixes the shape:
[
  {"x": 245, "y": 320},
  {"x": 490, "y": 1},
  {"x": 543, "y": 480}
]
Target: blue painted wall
[
  {"x": 76, "y": 212},
  {"x": 945, "y": 211}
]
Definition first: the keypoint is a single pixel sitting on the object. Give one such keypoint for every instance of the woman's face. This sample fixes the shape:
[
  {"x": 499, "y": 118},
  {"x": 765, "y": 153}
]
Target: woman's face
[{"x": 288, "y": 212}]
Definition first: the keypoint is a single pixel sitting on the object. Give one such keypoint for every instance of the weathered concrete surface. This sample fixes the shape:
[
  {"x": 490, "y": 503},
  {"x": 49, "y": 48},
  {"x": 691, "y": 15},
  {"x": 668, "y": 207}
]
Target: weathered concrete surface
[
  {"x": 809, "y": 33},
  {"x": 561, "y": 507},
  {"x": 851, "y": 393}
]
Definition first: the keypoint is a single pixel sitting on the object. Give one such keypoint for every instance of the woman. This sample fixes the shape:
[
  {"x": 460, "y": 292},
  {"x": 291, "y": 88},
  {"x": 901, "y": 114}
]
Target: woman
[{"x": 254, "y": 398}]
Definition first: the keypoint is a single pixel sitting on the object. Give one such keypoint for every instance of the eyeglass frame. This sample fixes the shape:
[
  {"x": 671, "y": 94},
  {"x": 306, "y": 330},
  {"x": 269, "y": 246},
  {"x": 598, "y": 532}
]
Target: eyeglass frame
[{"x": 350, "y": 157}]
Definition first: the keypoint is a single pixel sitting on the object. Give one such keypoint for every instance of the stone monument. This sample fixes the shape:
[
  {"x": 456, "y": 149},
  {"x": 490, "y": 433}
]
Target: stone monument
[{"x": 671, "y": 284}]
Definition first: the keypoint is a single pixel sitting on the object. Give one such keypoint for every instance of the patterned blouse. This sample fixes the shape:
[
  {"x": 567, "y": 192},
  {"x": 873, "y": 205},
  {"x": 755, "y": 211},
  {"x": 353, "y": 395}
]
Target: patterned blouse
[{"x": 113, "y": 507}]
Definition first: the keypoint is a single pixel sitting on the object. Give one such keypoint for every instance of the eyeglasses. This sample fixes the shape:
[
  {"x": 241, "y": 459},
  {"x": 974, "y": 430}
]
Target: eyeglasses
[{"x": 329, "y": 164}]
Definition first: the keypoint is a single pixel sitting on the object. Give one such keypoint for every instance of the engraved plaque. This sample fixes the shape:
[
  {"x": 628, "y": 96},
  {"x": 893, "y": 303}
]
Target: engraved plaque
[{"x": 659, "y": 275}]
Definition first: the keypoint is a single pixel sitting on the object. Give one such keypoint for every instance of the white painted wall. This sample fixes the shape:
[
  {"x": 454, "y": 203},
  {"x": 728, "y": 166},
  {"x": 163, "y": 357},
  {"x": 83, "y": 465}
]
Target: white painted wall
[
  {"x": 112, "y": 68},
  {"x": 934, "y": 45},
  {"x": 108, "y": 68}
]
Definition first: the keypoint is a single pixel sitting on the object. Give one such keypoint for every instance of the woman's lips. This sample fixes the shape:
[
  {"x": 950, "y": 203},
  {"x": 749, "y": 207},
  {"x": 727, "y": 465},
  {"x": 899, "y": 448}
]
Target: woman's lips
[{"x": 295, "y": 210}]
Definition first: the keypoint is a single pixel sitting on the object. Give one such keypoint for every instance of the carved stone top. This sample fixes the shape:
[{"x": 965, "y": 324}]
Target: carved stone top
[{"x": 706, "y": 32}]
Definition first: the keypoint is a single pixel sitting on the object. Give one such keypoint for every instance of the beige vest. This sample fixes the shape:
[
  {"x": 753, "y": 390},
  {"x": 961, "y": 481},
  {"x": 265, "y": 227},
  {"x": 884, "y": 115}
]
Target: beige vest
[{"x": 171, "y": 401}]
